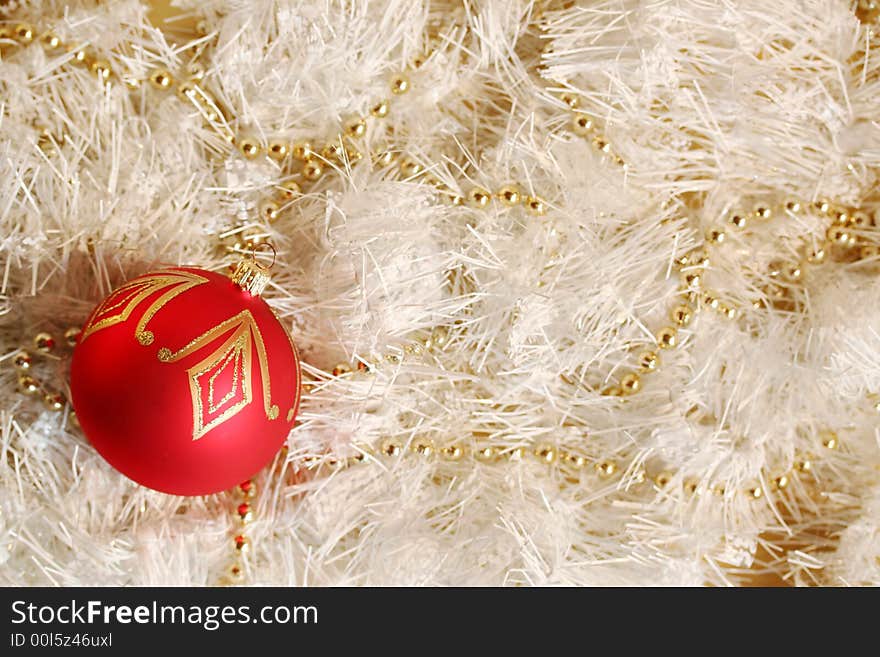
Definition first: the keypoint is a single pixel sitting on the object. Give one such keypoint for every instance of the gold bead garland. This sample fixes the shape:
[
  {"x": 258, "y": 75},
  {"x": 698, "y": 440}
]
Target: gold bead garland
[
  {"x": 572, "y": 466},
  {"x": 29, "y": 383}
]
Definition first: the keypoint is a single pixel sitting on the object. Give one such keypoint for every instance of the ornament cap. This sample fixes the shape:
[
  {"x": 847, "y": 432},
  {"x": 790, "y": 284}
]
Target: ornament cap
[{"x": 250, "y": 275}]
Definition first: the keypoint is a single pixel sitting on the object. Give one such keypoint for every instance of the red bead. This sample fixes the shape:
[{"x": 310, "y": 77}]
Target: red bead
[{"x": 184, "y": 382}]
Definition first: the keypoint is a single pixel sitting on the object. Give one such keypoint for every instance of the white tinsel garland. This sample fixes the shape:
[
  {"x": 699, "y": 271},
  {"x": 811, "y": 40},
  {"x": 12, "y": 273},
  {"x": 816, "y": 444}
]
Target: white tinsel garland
[{"x": 714, "y": 106}]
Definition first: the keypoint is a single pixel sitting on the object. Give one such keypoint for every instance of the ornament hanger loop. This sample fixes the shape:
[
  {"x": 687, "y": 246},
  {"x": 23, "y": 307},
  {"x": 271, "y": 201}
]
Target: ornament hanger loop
[{"x": 255, "y": 250}]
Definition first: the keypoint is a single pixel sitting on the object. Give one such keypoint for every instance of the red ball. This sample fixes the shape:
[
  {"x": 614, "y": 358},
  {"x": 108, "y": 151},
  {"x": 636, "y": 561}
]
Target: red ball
[{"x": 185, "y": 382}]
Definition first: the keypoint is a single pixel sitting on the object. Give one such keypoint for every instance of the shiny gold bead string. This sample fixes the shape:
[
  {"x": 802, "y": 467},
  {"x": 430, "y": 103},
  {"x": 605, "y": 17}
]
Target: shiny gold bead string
[
  {"x": 243, "y": 513},
  {"x": 572, "y": 465},
  {"x": 30, "y": 383},
  {"x": 302, "y": 163}
]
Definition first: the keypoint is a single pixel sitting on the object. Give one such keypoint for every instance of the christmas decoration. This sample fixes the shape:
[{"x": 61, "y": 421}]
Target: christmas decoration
[
  {"x": 587, "y": 291},
  {"x": 185, "y": 381}
]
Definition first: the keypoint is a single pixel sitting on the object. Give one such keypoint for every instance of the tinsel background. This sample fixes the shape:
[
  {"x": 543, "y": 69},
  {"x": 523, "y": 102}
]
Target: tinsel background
[{"x": 714, "y": 106}]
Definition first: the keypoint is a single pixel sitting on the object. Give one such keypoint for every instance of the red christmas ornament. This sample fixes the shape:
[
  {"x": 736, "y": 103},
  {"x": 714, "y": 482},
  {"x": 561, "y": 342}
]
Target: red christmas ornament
[{"x": 185, "y": 380}]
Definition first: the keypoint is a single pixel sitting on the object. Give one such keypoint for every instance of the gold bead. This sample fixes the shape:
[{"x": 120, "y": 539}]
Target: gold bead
[
  {"x": 196, "y": 71},
  {"x": 682, "y": 315},
  {"x": 792, "y": 272},
  {"x": 516, "y": 454},
  {"x": 383, "y": 158},
  {"x": 71, "y": 335},
  {"x": 754, "y": 492},
  {"x": 841, "y": 217},
  {"x": 829, "y": 440},
  {"x": 710, "y": 300},
  {"x": 822, "y": 205},
  {"x": 780, "y": 482},
  {"x": 290, "y": 189},
  {"x": 52, "y": 41},
  {"x": 44, "y": 342},
  {"x": 692, "y": 279},
  {"x": 691, "y": 487},
  {"x": 838, "y": 235},
  {"x": 861, "y": 219},
  {"x": 185, "y": 90},
  {"x": 278, "y": 149},
  {"x": 719, "y": 490},
  {"x": 630, "y": 384},
  {"x": 236, "y": 572},
  {"x": 793, "y": 206},
  {"x": 418, "y": 61},
  {"x": 763, "y": 212},
  {"x": 575, "y": 461},
  {"x": 410, "y": 168},
  {"x": 380, "y": 109},
  {"x": 606, "y": 468},
  {"x": 666, "y": 337},
  {"x": 242, "y": 544},
  {"x": 101, "y": 68},
  {"x": 715, "y": 236},
  {"x": 247, "y": 489},
  {"x": 302, "y": 151},
  {"x": 424, "y": 447},
  {"x": 245, "y": 513},
  {"x": 24, "y": 32},
  {"x": 249, "y": 147},
  {"x": 22, "y": 361},
  {"x": 356, "y": 127},
  {"x": 612, "y": 391},
  {"x": 869, "y": 251},
  {"x": 601, "y": 144},
  {"x": 581, "y": 124},
  {"x": 312, "y": 171},
  {"x": 816, "y": 256},
  {"x": 28, "y": 384},
  {"x": 638, "y": 476},
  {"x": 536, "y": 206},
  {"x": 452, "y": 452},
  {"x": 546, "y": 453},
  {"x": 738, "y": 221},
  {"x": 390, "y": 447},
  {"x": 509, "y": 195},
  {"x": 803, "y": 465},
  {"x": 333, "y": 152},
  {"x": 486, "y": 454},
  {"x": 79, "y": 54},
  {"x": 569, "y": 99},
  {"x": 439, "y": 336},
  {"x": 399, "y": 84},
  {"x": 341, "y": 369},
  {"x": 649, "y": 360},
  {"x": 456, "y": 199},
  {"x": 478, "y": 197},
  {"x": 161, "y": 79},
  {"x": 269, "y": 211},
  {"x": 728, "y": 311}
]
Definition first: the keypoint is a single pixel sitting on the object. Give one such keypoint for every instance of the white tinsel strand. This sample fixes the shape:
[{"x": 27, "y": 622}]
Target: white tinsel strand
[{"x": 720, "y": 105}]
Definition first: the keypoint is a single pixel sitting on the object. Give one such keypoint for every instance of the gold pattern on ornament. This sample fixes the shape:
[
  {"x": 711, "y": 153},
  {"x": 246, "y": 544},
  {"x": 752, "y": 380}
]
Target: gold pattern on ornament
[
  {"x": 221, "y": 384},
  {"x": 119, "y": 305},
  {"x": 295, "y": 353}
]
